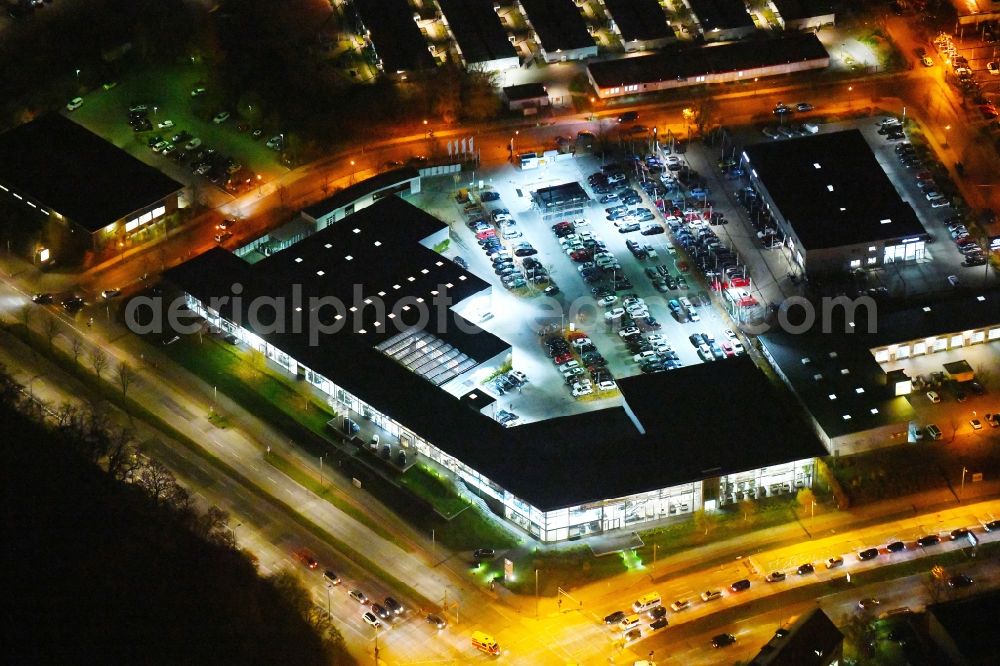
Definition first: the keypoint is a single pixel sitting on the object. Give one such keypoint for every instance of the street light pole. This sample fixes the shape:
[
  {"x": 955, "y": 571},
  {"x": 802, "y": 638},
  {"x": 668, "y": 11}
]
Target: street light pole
[
  {"x": 329, "y": 612},
  {"x": 321, "y": 470},
  {"x": 536, "y": 594},
  {"x": 962, "y": 489}
]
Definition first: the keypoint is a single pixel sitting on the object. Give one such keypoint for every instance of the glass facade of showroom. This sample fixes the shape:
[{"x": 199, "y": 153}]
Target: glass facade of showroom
[{"x": 555, "y": 525}]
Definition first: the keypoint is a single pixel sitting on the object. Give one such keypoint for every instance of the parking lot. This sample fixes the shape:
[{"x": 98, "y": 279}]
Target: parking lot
[
  {"x": 957, "y": 404},
  {"x": 581, "y": 257},
  {"x": 106, "y": 112}
]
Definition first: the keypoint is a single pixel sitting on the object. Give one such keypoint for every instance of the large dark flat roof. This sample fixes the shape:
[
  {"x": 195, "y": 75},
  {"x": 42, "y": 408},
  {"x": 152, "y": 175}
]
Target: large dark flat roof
[
  {"x": 791, "y": 10},
  {"x": 559, "y": 24},
  {"x": 963, "y": 312},
  {"x": 639, "y": 19},
  {"x": 857, "y": 207},
  {"x": 721, "y": 14},
  {"x": 62, "y": 165},
  {"x": 682, "y": 62},
  {"x": 968, "y": 623},
  {"x": 395, "y": 34},
  {"x": 477, "y": 30},
  {"x": 553, "y": 463},
  {"x": 359, "y": 190},
  {"x": 810, "y": 641},
  {"x": 814, "y": 363},
  {"x": 525, "y": 91},
  {"x": 559, "y": 195}
]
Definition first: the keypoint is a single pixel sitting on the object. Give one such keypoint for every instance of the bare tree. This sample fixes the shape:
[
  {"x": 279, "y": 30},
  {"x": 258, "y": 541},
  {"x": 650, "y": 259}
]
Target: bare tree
[
  {"x": 25, "y": 315},
  {"x": 124, "y": 374},
  {"x": 76, "y": 347},
  {"x": 161, "y": 485},
  {"x": 213, "y": 526},
  {"x": 50, "y": 326},
  {"x": 123, "y": 457},
  {"x": 705, "y": 520},
  {"x": 98, "y": 360}
]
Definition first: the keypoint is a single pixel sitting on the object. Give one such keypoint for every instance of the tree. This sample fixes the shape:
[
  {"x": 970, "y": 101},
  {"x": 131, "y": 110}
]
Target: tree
[
  {"x": 703, "y": 112},
  {"x": 705, "y": 520},
  {"x": 161, "y": 485},
  {"x": 124, "y": 374},
  {"x": 749, "y": 508},
  {"x": 98, "y": 360},
  {"x": 76, "y": 347},
  {"x": 51, "y": 329},
  {"x": 806, "y": 498}
]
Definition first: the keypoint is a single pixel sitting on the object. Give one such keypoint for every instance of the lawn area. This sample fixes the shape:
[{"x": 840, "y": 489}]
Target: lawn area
[
  {"x": 425, "y": 483},
  {"x": 245, "y": 377},
  {"x": 565, "y": 567}
]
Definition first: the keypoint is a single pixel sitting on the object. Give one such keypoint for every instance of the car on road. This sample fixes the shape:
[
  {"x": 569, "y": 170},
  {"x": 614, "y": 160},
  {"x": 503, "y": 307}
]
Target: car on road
[
  {"x": 992, "y": 526},
  {"x": 74, "y": 104},
  {"x": 928, "y": 540},
  {"x": 895, "y": 547},
  {"x": 331, "y": 577},
  {"x": 804, "y": 569},
  {"x": 657, "y": 613},
  {"x": 658, "y": 624},
  {"x": 44, "y": 298},
  {"x": 927, "y": 61},
  {"x": 679, "y": 605},
  {"x": 775, "y": 577},
  {"x": 614, "y": 618},
  {"x": 868, "y": 554},
  {"x": 723, "y": 640},
  {"x": 740, "y": 585},
  {"x": 961, "y": 580},
  {"x": 72, "y": 304},
  {"x": 393, "y": 606},
  {"x": 934, "y": 397},
  {"x": 711, "y": 595},
  {"x": 803, "y": 106},
  {"x": 358, "y": 596},
  {"x": 379, "y": 610},
  {"x": 976, "y": 424},
  {"x": 628, "y": 116},
  {"x": 834, "y": 562},
  {"x": 436, "y": 621},
  {"x": 372, "y": 620},
  {"x": 221, "y": 238},
  {"x": 111, "y": 293},
  {"x": 868, "y": 603}
]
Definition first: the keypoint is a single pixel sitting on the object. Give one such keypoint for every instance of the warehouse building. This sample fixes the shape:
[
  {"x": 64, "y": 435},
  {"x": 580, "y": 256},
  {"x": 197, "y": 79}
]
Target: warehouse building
[
  {"x": 834, "y": 203},
  {"x": 393, "y": 37},
  {"x": 77, "y": 193},
  {"x": 804, "y": 14},
  {"x": 641, "y": 24},
  {"x": 481, "y": 39},
  {"x": 559, "y": 28},
  {"x": 723, "y": 20},
  {"x": 526, "y": 96},
  {"x": 682, "y": 66},
  {"x": 417, "y": 381}
]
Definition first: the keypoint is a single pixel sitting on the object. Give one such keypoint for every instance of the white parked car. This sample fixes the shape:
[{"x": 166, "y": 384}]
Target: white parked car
[
  {"x": 372, "y": 620},
  {"x": 581, "y": 389},
  {"x": 607, "y": 385},
  {"x": 221, "y": 117},
  {"x": 74, "y": 104},
  {"x": 627, "y": 332},
  {"x": 608, "y": 301},
  {"x": 165, "y": 124},
  {"x": 274, "y": 143},
  {"x": 193, "y": 143},
  {"x": 933, "y": 397},
  {"x": 580, "y": 342},
  {"x": 645, "y": 356},
  {"x": 614, "y": 313}
]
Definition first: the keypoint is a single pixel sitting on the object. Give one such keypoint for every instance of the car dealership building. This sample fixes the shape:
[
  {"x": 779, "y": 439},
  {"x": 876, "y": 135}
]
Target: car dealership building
[{"x": 399, "y": 353}]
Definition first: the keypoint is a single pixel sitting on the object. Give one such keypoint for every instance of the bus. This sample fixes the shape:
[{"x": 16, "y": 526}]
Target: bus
[{"x": 485, "y": 643}]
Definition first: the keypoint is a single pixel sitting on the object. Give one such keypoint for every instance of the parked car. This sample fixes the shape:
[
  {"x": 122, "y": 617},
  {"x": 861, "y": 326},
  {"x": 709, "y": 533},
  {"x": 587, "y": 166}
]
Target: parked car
[{"x": 221, "y": 117}]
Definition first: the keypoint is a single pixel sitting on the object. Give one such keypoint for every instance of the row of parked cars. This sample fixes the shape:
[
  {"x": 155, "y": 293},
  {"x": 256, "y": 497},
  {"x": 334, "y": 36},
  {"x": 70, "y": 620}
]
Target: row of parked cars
[
  {"x": 970, "y": 249},
  {"x": 581, "y": 365}
]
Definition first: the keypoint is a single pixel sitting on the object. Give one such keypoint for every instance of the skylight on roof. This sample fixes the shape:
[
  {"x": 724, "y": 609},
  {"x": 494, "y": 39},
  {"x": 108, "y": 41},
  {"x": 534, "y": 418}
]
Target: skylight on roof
[
  {"x": 353, "y": 308},
  {"x": 874, "y": 410},
  {"x": 298, "y": 309},
  {"x": 980, "y": 298},
  {"x": 859, "y": 390},
  {"x": 392, "y": 315},
  {"x": 829, "y": 187},
  {"x": 461, "y": 277},
  {"x": 449, "y": 285},
  {"x": 337, "y": 317},
  {"x": 361, "y": 330},
  {"x": 424, "y": 271},
  {"x": 847, "y": 417},
  {"x": 356, "y": 230},
  {"x": 886, "y": 221},
  {"x": 927, "y": 308},
  {"x": 845, "y": 371},
  {"x": 368, "y": 301},
  {"x": 434, "y": 292},
  {"x": 327, "y": 245},
  {"x": 378, "y": 243},
  {"x": 439, "y": 263},
  {"x": 396, "y": 286},
  {"x": 842, "y": 209},
  {"x": 411, "y": 279},
  {"x": 298, "y": 260},
  {"x": 381, "y": 293},
  {"x": 832, "y": 396},
  {"x": 816, "y": 164},
  {"x": 349, "y": 258},
  {"x": 420, "y": 299},
  {"x": 321, "y": 273},
  {"x": 406, "y": 308}
]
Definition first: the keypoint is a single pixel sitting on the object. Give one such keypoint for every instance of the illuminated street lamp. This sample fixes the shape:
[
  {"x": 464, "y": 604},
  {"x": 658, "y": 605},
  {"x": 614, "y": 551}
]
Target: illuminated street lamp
[
  {"x": 946, "y": 128},
  {"x": 260, "y": 186},
  {"x": 688, "y": 115}
]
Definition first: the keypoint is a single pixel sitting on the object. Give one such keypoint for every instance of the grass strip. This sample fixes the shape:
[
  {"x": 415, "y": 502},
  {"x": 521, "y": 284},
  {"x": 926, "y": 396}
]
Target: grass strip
[
  {"x": 327, "y": 493},
  {"x": 136, "y": 410}
]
